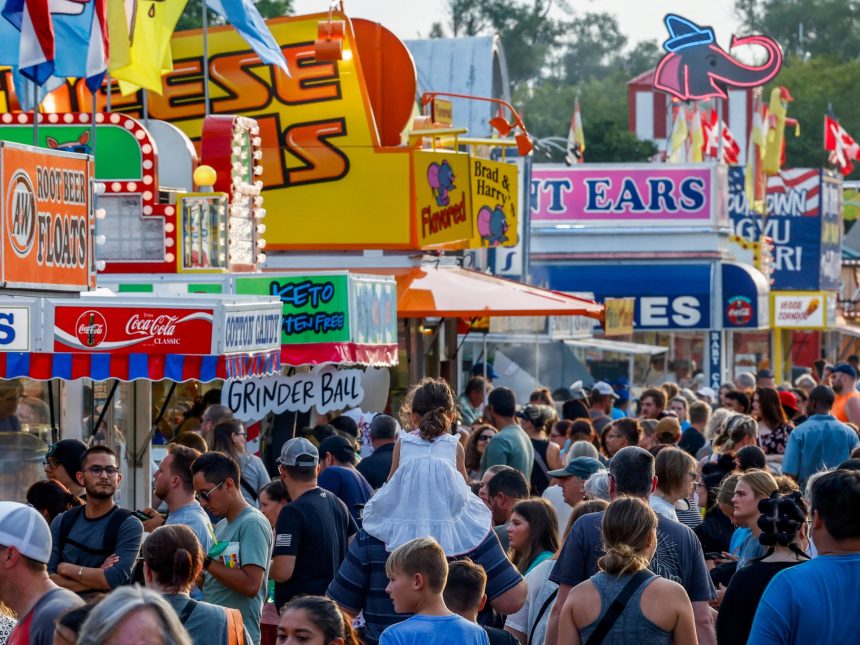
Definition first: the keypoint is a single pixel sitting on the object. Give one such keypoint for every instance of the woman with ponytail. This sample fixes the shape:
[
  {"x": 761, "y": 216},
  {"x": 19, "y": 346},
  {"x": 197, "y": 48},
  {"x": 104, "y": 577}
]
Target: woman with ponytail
[
  {"x": 426, "y": 493},
  {"x": 654, "y": 610},
  {"x": 172, "y": 561},
  {"x": 782, "y": 521}
]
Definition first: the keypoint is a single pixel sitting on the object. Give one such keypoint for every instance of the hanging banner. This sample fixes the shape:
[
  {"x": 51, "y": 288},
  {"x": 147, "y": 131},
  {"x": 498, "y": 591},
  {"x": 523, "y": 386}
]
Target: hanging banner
[
  {"x": 494, "y": 203},
  {"x": 325, "y": 390},
  {"x": 619, "y": 316},
  {"x": 46, "y": 223}
]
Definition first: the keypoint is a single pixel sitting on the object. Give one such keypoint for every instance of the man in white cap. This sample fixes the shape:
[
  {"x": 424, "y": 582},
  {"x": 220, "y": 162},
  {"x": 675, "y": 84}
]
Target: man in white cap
[
  {"x": 312, "y": 531},
  {"x": 25, "y": 548},
  {"x": 602, "y": 398}
]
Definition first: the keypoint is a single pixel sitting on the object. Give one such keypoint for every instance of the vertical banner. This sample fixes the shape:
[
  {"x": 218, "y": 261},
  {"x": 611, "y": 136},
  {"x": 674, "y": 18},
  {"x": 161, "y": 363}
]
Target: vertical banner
[
  {"x": 715, "y": 358},
  {"x": 494, "y": 203}
]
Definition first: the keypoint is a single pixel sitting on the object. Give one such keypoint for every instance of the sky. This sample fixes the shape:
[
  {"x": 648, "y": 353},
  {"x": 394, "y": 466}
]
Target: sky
[{"x": 639, "y": 20}]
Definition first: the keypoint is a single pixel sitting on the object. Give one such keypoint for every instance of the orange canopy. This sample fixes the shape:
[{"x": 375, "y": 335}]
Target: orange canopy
[{"x": 449, "y": 292}]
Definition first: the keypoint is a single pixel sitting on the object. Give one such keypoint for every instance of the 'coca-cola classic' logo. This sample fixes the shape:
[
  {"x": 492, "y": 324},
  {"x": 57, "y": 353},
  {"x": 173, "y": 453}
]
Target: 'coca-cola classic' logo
[
  {"x": 148, "y": 325},
  {"x": 91, "y": 328}
]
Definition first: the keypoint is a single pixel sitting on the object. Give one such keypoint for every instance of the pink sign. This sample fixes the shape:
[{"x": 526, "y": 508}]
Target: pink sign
[{"x": 621, "y": 194}]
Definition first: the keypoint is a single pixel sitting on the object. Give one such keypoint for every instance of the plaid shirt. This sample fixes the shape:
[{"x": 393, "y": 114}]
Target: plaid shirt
[{"x": 360, "y": 583}]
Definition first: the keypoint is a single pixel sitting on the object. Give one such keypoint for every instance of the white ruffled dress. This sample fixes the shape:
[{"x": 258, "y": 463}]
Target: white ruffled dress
[{"x": 428, "y": 497}]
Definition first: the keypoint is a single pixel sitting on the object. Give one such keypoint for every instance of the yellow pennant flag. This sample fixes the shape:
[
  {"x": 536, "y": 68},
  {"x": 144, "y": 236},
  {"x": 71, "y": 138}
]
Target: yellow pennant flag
[
  {"x": 140, "y": 32},
  {"x": 697, "y": 137},
  {"x": 678, "y": 141}
]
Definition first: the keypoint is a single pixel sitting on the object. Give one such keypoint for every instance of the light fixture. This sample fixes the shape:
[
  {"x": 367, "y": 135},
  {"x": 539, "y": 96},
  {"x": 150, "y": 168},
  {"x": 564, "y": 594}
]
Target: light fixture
[{"x": 501, "y": 125}]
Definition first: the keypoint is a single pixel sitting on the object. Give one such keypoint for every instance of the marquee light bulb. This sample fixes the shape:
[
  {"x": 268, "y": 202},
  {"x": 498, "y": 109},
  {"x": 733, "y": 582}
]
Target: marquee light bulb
[
  {"x": 169, "y": 257},
  {"x": 100, "y": 265},
  {"x": 100, "y": 213},
  {"x": 100, "y": 240}
]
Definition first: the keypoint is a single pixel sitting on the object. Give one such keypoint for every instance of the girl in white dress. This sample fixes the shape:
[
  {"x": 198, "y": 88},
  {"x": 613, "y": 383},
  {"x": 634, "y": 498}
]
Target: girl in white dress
[{"x": 426, "y": 494}]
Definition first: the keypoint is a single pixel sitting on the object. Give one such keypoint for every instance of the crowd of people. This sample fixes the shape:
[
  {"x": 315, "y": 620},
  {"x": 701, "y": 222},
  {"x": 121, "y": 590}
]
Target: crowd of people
[{"x": 698, "y": 516}]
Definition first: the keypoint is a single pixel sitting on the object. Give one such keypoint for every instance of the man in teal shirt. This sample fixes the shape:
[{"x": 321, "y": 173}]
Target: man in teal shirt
[{"x": 511, "y": 446}]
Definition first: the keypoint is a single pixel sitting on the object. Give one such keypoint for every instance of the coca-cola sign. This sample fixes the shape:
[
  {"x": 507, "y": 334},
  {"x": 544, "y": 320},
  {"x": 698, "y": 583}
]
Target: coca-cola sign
[{"x": 130, "y": 330}]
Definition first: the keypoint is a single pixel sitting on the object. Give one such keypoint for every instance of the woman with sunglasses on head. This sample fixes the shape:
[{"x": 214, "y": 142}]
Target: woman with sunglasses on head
[
  {"x": 229, "y": 437},
  {"x": 784, "y": 533},
  {"x": 475, "y": 446}
]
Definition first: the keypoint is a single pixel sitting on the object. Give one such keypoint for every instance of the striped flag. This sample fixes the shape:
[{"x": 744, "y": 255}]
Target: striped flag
[
  {"x": 81, "y": 35},
  {"x": 35, "y": 51},
  {"x": 842, "y": 147}
]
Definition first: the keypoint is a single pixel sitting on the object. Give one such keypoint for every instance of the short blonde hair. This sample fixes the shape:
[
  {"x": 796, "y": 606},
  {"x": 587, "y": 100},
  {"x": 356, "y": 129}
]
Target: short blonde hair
[{"x": 421, "y": 555}]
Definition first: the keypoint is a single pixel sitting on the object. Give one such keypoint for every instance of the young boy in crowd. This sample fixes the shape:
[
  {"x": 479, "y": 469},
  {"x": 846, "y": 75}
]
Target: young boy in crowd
[
  {"x": 464, "y": 595},
  {"x": 417, "y": 572}
]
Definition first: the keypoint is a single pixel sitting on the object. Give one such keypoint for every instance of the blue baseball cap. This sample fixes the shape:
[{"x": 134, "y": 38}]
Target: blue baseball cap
[{"x": 478, "y": 370}]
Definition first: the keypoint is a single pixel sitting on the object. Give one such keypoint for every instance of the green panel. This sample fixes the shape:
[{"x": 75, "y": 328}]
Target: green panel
[
  {"x": 135, "y": 288},
  {"x": 117, "y": 151},
  {"x": 316, "y": 308},
  {"x": 205, "y": 287}
]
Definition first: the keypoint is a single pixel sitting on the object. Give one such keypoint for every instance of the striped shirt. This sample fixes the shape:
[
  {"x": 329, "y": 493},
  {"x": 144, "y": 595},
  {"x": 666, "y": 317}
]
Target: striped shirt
[{"x": 360, "y": 583}]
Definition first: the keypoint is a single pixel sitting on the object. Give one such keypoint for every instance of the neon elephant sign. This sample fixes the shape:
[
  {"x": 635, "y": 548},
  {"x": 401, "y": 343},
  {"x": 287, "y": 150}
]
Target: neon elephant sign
[{"x": 695, "y": 67}]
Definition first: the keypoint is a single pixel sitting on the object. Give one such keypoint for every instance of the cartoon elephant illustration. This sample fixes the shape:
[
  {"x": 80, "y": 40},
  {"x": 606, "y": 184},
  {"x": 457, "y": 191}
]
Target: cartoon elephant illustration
[
  {"x": 696, "y": 67},
  {"x": 493, "y": 225}
]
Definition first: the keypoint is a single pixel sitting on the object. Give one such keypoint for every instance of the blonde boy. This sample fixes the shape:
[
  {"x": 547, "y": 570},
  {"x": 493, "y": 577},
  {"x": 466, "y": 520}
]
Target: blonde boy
[{"x": 417, "y": 572}]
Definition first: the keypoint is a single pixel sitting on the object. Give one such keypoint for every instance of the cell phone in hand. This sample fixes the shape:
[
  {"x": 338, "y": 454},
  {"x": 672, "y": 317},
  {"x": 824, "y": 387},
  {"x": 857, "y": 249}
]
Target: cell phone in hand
[{"x": 143, "y": 517}]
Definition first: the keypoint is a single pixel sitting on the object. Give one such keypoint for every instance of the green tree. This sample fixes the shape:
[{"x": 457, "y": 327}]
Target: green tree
[
  {"x": 192, "y": 18},
  {"x": 819, "y": 27}
]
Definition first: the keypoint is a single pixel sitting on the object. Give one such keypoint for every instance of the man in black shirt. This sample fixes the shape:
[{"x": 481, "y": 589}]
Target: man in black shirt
[
  {"x": 311, "y": 534},
  {"x": 383, "y": 436}
]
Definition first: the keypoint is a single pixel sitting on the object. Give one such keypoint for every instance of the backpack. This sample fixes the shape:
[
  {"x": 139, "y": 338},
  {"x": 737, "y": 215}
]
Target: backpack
[{"x": 109, "y": 537}]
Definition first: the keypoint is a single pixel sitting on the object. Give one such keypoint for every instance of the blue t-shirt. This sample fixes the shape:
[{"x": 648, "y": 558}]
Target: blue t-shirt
[
  {"x": 349, "y": 486},
  {"x": 738, "y": 538},
  {"x": 813, "y": 602},
  {"x": 819, "y": 443},
  {"x": 420, "y": 630}
]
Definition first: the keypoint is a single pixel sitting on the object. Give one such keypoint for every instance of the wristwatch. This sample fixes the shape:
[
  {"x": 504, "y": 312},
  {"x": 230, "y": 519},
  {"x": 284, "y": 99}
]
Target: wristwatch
[{"x": 206, "y": 562}]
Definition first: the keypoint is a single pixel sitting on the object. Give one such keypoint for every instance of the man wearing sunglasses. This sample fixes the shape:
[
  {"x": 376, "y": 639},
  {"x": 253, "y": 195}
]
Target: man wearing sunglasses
[
  {"x": 95, "y": 546},
  {"x": 237, "y": 576}
]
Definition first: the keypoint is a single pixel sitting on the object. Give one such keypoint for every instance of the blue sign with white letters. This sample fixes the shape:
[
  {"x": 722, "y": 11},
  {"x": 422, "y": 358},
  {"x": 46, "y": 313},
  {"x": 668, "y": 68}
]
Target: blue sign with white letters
[
  {"x": 668, "y": 296},
  {"x": 14, "y": 329}
]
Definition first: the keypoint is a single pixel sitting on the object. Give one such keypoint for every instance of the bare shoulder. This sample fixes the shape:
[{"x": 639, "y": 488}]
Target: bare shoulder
[
  {"x": 663, "y": 601},
  {"x": 584, "y": 603}
]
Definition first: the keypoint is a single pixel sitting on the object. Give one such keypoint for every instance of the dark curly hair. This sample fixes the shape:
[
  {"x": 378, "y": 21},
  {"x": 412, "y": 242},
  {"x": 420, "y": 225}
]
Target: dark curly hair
[{"x": 782, "y": 517}]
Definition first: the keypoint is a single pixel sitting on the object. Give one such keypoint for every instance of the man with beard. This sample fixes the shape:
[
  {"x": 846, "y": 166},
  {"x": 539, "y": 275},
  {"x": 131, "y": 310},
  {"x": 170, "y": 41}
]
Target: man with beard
[
  {"x": 846, "y": 407},
  {"x": 174, "y": 485},
  {"x": 95, "y": 546}
]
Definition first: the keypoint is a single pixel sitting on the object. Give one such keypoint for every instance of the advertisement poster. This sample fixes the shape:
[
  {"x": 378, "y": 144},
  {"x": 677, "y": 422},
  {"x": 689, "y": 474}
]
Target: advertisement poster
[
  {"x": 803, "y": 222},
  {"x": 316, "y": 308},
  {"x": 799, "y": 310},
  {"x": 622, "y": 193},
  {"x": 495, "y": 203},
  {"x": 127, "y": 330},
  {"x": 46, "y": 220},
  {"x": 374, "y": 304},
  {"x": 443, "y": 205}
]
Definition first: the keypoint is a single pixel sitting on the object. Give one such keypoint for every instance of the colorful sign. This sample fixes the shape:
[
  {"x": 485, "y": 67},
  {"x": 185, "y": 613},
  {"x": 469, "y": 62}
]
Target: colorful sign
[
  {"x": 443, "y": 205},
  {"x": 202, "y": 233},
  {"x": 715, "y": 359},
  {"x": 14, "y": 329},
  {"x": 803, "y": 222},
  {"x": 495, "y": 202},
  {"x": 597, "y": 194},
  {"x": 47, "y": 219},
  {"x": 799, "y": 310},
  {"x": 619, "y": 316},
  {"x": 133, "y": 330},
  {"x": 374, "y": 303},
  {"x": 323, "y": 389},
  {"x": 316, "y": 308},
  {"x": 695, "y": 67},
  {"x": 251, "y": 330}
]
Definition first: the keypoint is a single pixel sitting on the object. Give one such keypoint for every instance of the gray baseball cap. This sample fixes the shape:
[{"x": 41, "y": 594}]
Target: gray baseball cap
[
  {"x": 24, "y": 528},
  {"x": 299, "y": 452},
  {"x": 582, "y": 467}
]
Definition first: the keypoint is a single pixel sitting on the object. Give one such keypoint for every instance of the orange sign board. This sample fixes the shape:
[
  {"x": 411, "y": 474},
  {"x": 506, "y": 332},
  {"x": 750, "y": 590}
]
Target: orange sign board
[
  {"x": 46, "y": 219},
  {"x": 443, "y": 201}
]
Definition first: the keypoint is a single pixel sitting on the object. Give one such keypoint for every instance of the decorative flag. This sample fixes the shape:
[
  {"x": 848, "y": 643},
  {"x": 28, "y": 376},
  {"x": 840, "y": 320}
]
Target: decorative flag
[
  {"x": 141, "y": 53},
  {"x": 774, "y": 153},
  {"x": 678, "y": 141},
  {"x": 80, "y": 31},
  {"x": 754, "y": 184},
  {"x": 697, "y": 136},
  {"x": 35, "y": 51},
  {"x": 575, "y": 138},
  {"x": 841, "y": 145},
  {"x": 246, "y": 19},
  {"x": 714, "y": 130}
]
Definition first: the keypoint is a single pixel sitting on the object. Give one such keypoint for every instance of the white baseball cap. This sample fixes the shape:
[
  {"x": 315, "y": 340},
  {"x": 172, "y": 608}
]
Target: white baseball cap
[
  {"x": 24, "y": 528},
  {"x": 604, "y": 389}
]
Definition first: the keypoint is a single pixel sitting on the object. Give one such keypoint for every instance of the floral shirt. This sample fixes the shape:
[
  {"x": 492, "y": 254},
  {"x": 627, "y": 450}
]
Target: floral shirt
[{"x": 773, "y": 442}]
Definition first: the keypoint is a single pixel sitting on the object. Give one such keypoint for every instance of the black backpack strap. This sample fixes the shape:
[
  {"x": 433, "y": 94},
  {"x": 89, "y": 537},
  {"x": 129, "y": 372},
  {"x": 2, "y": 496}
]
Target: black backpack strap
[
  {"x": 187, "y": 610},
  {"x": 248, "y": 488},
  {"x": 67, "y": 521},
  {"x": 109, "y": 538},
  {"x": 546, "y": 604},
  {"x": 118, "y": 517},
  {"x": 617, "y": 607}
]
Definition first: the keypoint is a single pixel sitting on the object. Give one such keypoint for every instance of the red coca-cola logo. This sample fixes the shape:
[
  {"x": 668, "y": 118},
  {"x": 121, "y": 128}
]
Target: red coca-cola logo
[
  {"x": 148, "y": 325},
  {"x": 91, "y": 328},
  {"x": 739, "y": 310}
]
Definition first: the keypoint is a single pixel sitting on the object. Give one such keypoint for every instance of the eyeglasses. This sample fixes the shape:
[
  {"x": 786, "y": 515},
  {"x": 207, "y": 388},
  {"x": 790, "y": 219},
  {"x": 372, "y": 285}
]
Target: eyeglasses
[
  {"x": 98, "y": 471},
  {"x": 204, "y": 494},
  {"x": 695, "y": 476},
  {"x": 51, "y": 463},
  {"x": 485, "y": 437}
]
